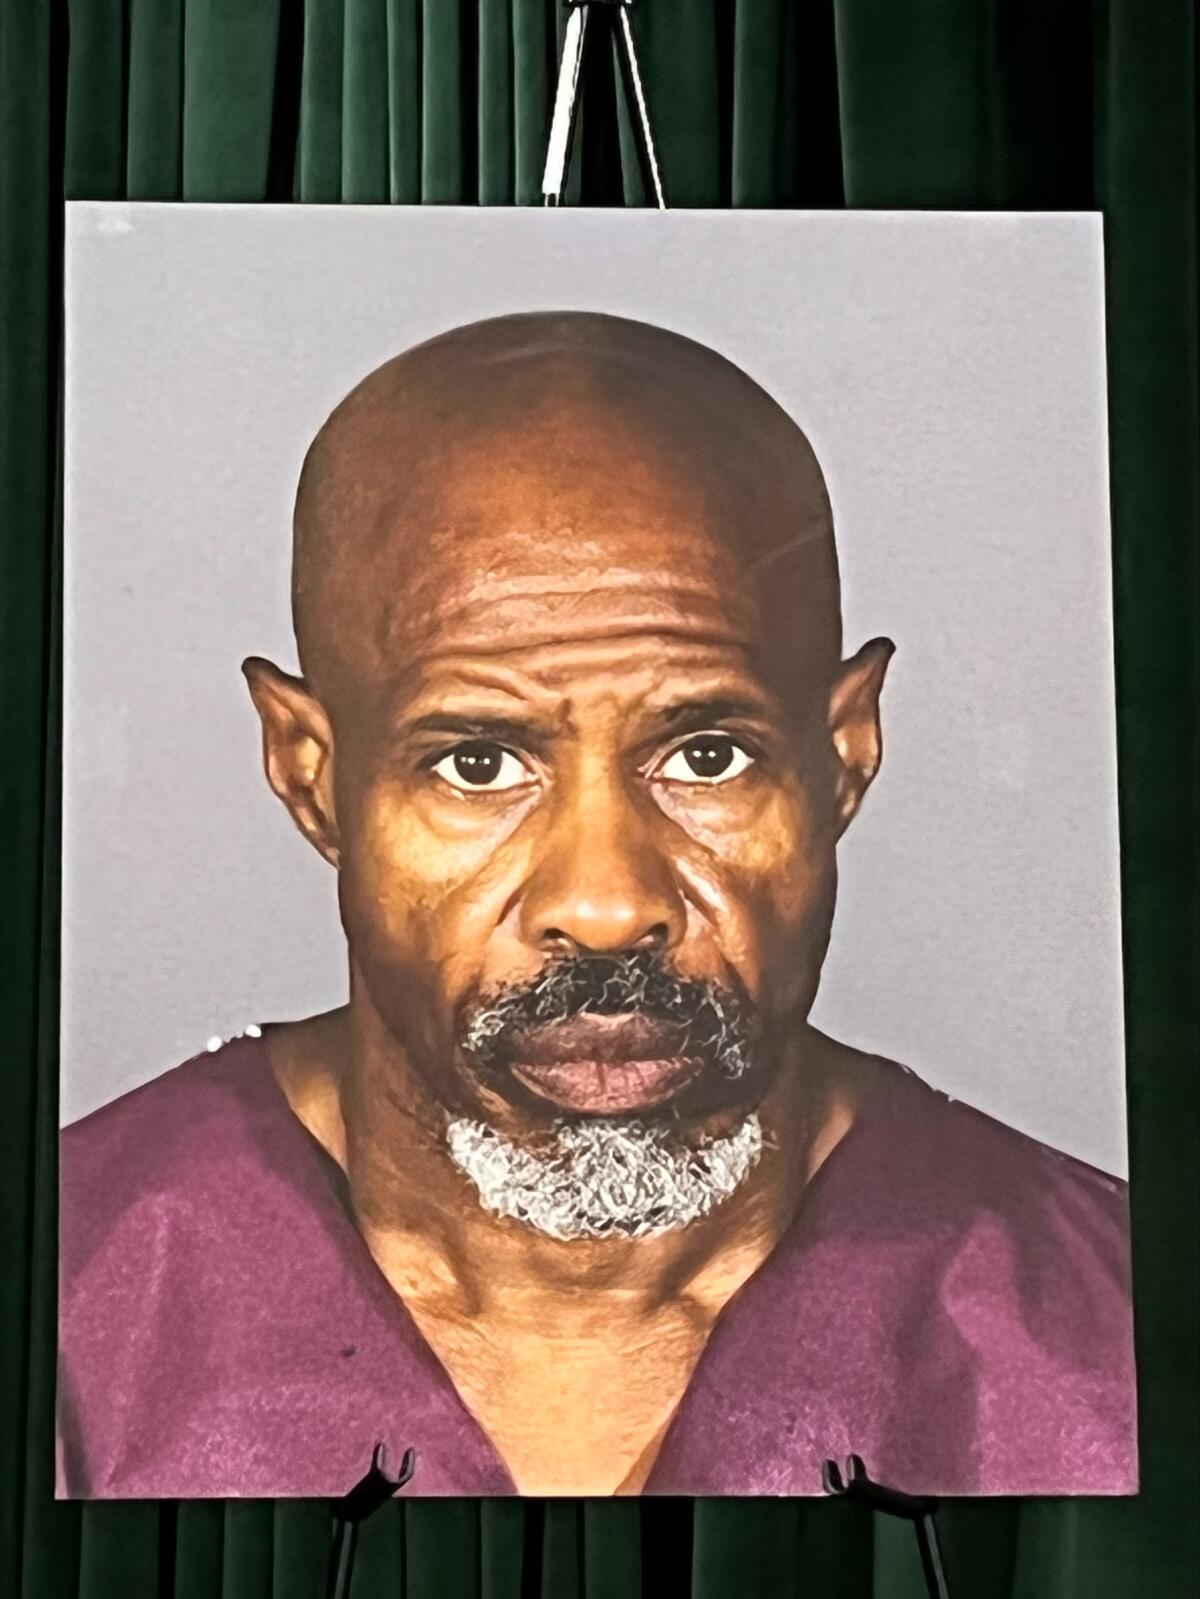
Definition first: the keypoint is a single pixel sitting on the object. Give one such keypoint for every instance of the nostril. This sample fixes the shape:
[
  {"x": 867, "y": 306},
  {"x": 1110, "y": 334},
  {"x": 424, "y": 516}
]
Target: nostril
[
  {"x": 556, "y": 942},
  {"x": 656, "y": 937}
]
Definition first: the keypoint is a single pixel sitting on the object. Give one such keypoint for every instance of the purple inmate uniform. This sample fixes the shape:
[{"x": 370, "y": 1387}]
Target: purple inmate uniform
[{"x": 951, "y": 1302}]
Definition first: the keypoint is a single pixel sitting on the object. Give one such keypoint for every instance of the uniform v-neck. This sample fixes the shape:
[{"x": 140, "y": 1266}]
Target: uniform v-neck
[{"x": 331, "y": 1181}]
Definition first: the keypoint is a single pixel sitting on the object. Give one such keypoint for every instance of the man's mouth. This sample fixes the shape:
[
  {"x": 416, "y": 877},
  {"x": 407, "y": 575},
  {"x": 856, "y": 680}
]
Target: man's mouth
[{"x": 603, "y": 1065}]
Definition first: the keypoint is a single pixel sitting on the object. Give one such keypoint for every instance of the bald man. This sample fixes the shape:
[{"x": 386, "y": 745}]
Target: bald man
[{"x": 570, "y": 1196}]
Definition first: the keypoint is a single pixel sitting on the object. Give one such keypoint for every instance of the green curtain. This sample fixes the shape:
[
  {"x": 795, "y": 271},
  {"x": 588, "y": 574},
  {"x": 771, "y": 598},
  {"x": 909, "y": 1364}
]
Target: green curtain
[{"x": 905, "y": 103}]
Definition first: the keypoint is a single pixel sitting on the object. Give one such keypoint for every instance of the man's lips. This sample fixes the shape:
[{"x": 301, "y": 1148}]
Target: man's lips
[
  {"x": 605, "y": 1088},
  {"x": 603, "y": 1065}
]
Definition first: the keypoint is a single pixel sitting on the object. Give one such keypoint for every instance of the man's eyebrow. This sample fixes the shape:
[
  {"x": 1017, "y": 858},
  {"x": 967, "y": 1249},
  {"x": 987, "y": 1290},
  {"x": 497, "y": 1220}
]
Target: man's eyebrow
[
  {"x": 495, "y": 729},
  {"x": 694, "y": 715}
]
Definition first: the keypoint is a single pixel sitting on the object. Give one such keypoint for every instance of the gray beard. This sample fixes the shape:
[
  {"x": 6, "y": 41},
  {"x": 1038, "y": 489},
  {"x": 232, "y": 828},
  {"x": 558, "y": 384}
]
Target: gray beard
[{"x": 607, "y": 1177}]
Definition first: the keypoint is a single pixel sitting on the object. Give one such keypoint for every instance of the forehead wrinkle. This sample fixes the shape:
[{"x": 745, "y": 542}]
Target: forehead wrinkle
[
  {"x": 680, "y": 612},
  {"x": 462, "y": 672},
  {"x": 497, "y": 611},
  {"x": 617, "y": 634},
  {"x": 435, "y": 602},
  {"x": 553, "y": 691},
  {"x": 466, "y": 678},
  {"x": 404, "y": 655}
]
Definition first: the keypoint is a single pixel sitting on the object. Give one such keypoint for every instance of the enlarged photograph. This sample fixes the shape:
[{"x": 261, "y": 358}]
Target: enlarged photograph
[{"x": 591, "y": 929}]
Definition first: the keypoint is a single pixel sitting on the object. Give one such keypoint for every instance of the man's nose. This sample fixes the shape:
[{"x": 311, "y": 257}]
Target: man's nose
[{"x": 603, "y": 884}]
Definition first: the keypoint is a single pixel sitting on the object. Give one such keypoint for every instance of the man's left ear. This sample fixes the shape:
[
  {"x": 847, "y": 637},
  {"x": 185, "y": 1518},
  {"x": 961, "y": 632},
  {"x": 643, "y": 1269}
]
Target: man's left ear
[{"x": 854, "y": 725}]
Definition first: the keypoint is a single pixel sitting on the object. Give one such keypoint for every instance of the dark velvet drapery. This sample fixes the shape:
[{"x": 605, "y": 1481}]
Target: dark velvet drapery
[{"x": 908, "y": 103}]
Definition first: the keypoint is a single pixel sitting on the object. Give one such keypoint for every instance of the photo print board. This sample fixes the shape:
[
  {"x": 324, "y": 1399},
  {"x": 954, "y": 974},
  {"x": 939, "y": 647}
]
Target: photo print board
[{"x": 591, "y": 735}]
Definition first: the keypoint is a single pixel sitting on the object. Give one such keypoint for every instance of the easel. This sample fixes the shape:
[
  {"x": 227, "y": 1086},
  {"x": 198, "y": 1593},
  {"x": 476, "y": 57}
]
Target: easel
[{"x": 612, "y": 16}]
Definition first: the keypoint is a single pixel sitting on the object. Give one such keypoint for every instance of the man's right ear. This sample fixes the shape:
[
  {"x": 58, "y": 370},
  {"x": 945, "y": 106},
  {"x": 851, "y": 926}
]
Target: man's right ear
[{"x": 297, "y": 744}]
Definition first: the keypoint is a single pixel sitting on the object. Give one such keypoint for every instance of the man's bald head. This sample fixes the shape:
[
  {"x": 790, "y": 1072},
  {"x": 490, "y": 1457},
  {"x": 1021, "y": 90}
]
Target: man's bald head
[
  {"x": 567, "y": 605},
  {"x": 524, "y": 439}
]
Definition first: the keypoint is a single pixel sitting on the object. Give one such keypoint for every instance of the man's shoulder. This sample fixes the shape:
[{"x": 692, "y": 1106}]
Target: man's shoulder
[
  {"x": 218, "y": 1314},
  {"x": 1027, "y": 1257},
  {"x": 181, "y": 1138},
  {"x": 969, "y": 1161},
  {"x": 1017, "y": 1243},
  {"x": 182, "y": 1106},
  {"x": 953, "y": 1303}
]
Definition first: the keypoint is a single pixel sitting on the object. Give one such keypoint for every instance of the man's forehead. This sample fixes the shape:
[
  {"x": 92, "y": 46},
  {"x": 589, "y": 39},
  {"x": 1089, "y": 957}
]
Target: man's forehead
[
  {"x": 592, "y": 506},
  {"x": 517, "y": 527},
  {"x": 558, "y": 469},
  {"x": 496, "y": 539},
  {"x": 619, "y": 639}
]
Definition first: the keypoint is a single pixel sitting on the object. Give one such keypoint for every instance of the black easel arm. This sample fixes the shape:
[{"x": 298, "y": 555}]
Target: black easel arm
[
  {"x": 367, "y": 1495},
  {"x": 853, "y": 1483}
]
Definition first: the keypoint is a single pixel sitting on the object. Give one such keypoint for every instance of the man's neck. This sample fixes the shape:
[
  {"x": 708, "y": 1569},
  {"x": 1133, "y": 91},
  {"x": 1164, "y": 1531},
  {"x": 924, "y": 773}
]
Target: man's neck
[
  {"x": 532, "y": 1330},
  {"x": 349, "y": 1083}
]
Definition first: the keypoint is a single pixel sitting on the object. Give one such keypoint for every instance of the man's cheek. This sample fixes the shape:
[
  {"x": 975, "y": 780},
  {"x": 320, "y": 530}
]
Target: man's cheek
[
  {"x": 773, "y": 860},
  {"x": 751, "y": 932},
  {"x": 770, "y": 914},
  {"x": 789, "y": 859},
  {"x": 399, "y": 854},
  {"x": 429, "y": 894},
  {"x": 732, "y": 923}
]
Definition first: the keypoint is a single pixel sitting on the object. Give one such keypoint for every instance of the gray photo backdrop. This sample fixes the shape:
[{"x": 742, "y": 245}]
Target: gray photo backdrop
[{"x": 950, "y": 373}]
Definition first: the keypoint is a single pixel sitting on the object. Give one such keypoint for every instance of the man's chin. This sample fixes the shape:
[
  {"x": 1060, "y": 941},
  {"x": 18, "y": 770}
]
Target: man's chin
[{"x": 623, "y": 1176}]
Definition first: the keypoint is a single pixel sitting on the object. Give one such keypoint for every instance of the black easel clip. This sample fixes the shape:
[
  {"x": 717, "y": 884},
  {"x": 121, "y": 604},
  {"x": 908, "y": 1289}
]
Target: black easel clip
[
  {"x": 376, "y": 1488},
  {"x": 854, "y": 1484},
  {"x": 368, "y": 1495}
]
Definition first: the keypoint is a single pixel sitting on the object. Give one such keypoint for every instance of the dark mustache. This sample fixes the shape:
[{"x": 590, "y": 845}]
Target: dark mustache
[{"x": 712, "y": 1021}]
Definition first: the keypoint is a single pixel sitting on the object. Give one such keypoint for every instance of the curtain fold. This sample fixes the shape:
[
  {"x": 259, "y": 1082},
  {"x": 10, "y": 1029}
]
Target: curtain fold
[{"x": 909, "y": 103}]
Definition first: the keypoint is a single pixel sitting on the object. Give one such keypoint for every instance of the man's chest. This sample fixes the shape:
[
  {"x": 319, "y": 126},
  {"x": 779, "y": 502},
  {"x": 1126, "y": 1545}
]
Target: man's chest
[{"x": 571, "y": 1414}]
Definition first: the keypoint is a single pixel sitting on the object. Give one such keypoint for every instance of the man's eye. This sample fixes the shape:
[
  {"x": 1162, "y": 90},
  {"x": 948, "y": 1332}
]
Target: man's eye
[
  {"x": 706, "y": 758},
  {"x": 482, "y": 766}
]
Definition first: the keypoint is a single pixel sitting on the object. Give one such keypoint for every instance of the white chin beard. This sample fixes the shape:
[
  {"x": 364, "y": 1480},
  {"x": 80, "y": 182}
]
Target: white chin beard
[{"x": 605, "y": 1177}]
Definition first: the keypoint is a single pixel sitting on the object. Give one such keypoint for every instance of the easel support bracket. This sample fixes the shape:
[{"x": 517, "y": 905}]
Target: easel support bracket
[
  {"x": 853, "y": 1483},
  {"x": 366, "y": 1497}
]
